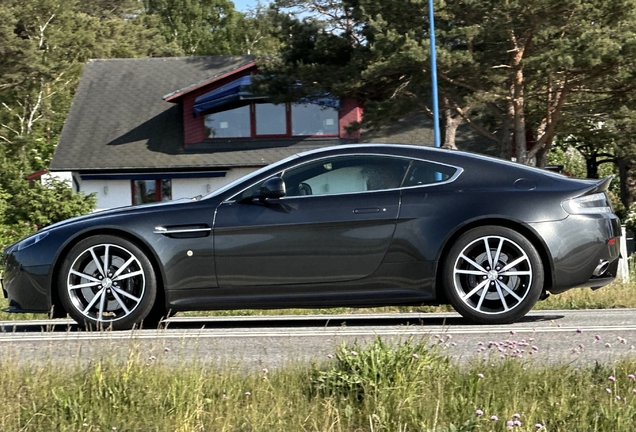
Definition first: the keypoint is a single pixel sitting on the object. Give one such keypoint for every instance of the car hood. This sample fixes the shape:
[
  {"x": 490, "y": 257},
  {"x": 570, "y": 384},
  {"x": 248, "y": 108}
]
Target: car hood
[{"x": 120, "y": 211}]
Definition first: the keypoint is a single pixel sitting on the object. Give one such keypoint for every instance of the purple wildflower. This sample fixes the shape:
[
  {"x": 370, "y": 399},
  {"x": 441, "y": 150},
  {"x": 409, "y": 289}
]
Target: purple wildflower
[{"x": 480, "y": 413}]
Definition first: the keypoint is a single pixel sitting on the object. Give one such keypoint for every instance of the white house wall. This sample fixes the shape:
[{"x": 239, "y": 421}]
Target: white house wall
[
  {"x": 110, "y": 193},
  {"x": 190, "y": 187},
  {"x": 118, "y": 193}
]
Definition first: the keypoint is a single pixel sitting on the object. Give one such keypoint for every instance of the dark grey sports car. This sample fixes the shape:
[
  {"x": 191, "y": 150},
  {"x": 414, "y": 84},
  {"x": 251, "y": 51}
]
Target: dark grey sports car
[{"x": 358, "y": 225}]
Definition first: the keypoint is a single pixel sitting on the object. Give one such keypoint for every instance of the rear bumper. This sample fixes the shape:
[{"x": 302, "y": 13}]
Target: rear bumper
[{"x": 577, "y": 246}]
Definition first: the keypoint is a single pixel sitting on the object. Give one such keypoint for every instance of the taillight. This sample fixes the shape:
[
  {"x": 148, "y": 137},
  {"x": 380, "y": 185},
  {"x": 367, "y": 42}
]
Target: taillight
[{"x": 587, "y": 204}]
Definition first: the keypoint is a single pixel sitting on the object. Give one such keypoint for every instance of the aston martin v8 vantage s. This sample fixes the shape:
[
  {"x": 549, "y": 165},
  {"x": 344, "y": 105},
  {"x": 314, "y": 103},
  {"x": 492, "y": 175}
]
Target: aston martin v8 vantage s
[{"x": 357, "y": 225}]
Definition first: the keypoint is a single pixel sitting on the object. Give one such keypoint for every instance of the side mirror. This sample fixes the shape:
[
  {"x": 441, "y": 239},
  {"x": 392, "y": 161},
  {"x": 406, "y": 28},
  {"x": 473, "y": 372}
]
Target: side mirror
[{"x": 272, "y": 188}]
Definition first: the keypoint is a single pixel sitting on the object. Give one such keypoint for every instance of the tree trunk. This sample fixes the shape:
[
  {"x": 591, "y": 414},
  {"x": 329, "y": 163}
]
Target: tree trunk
[
  {"x": 542, "y": 157},
  {"x": 450, "y": 126},
  {"x": 506, "y": 134},
  {"x": 591, "y": 165},
  {"x": 628, "y": 183}
]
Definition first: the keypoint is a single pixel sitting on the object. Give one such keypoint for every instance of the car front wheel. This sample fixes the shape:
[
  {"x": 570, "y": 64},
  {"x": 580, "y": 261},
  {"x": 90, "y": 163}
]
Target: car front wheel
[
  {"x": 493, "y": 275},
  {"x": 107, "y": 282}
]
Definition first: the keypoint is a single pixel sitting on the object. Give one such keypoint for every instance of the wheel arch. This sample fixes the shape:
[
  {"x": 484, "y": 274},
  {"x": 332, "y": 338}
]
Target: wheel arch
[
  {"x": 137, "y": 241},
  {"x": 518, "y": 226}
]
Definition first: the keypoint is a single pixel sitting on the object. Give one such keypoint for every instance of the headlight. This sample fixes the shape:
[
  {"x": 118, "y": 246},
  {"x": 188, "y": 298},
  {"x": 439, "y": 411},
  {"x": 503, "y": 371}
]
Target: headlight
[
  {"x": 587, "y": 204},
  {"x": 29, "y": 241}
]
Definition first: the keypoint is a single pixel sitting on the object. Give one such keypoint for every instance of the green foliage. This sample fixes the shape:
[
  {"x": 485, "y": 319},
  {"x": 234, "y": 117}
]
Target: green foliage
[
  {"x": 154, "y": 389},
  {"x": 509, "y": 70},
  {"x": 45, "y": 204},
  {"x": 365, "y": 372},
  {"x": 213, "y": 27},
  {"x": 35, "y": 202},
  {"x": 11, "y": 233},
  {"x": 198, "y": 26},
  {"x": 629, "y": 218}
]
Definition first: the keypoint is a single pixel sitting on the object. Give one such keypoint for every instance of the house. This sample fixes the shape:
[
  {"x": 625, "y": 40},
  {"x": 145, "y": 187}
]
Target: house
[{"x": 153, "y": 129}]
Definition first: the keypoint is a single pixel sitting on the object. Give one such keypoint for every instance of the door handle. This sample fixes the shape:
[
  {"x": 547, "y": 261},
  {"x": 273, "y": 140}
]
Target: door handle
[{"x": 367, "y": 210}]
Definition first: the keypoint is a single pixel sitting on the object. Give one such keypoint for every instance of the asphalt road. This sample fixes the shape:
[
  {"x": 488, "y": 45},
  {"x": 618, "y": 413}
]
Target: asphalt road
[{"x": 253, "y": 343}]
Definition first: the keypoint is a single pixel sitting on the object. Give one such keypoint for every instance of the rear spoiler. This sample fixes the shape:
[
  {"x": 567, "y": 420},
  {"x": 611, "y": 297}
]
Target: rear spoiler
[{"x": 601, "y": 185}]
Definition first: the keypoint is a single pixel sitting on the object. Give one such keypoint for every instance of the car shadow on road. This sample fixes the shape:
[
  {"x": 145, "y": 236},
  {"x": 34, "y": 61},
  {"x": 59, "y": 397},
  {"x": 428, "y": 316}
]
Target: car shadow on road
[
  {"x": 347, "y": 321},
  {"x": 313, "y": 321}
]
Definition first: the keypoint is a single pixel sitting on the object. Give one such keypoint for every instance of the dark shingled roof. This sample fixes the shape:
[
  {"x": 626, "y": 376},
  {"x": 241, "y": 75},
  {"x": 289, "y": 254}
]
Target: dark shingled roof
[{"x": 120, "y": 122}]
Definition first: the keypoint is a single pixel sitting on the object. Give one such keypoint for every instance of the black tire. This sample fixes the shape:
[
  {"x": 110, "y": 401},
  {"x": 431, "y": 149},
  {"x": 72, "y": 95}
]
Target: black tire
[
  {"x": 510, "y": 270},
  {"x": 157, "y": 315},
  {"x": 107, "y": 282}
]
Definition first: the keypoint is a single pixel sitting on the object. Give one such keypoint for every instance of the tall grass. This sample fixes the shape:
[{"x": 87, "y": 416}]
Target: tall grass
[{"x": 409, "y": 387}]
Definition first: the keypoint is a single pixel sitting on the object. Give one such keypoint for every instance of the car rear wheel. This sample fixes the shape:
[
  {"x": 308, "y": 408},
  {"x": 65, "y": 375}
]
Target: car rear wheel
[
  {"x": 493, "y": 275},
  {"x": 107, "y": 282}
]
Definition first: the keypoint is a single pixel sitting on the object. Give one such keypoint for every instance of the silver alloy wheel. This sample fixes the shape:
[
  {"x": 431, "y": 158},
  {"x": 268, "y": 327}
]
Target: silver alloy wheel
[
  {"x": 106, "y": 283},
  {"x": 492, "y": 275}
]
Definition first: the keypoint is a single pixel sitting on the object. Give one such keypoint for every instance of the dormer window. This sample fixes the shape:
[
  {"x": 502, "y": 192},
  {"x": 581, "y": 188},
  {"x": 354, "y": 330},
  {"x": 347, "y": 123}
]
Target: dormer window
[
  {"x": 234, "y": 123},
  {"x": 311, "y": 119},
  {"x": 224, "y": 108},
  {"x": 271, "y": 120}
]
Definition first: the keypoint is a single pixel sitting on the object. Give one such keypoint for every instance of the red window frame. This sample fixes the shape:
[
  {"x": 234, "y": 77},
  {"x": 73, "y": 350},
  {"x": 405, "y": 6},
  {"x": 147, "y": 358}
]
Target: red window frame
[
  {"x": 158, "y": 191},
  {"x": 288, "y": 132}
]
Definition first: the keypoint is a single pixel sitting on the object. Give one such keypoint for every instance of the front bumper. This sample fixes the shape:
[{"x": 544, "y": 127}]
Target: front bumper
[{"x": 26, "y": 287}]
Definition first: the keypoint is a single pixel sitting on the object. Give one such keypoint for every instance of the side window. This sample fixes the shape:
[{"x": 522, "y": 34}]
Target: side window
[
  {"x": 422, "y": 173},
  {"x": 346, "y": 174}
]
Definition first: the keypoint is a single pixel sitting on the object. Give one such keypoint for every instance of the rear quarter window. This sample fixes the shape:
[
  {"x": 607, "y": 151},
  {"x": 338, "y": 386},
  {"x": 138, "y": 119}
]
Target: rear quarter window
[{"x": 423, "y": 173}]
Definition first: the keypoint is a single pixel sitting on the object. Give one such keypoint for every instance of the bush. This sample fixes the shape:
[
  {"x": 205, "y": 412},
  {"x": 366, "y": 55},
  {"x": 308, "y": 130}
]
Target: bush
[
  {"x": 10, "y": 234},
  {"x": 360, "y": 373}
]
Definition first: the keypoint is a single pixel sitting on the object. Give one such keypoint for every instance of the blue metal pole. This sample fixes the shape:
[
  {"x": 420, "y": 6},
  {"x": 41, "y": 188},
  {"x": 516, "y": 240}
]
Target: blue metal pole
[{"x": 434, "y": 76}]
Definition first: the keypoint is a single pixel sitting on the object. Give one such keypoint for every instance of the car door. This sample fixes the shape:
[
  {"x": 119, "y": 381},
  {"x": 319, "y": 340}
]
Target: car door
[{"x": 335, "y": 223}]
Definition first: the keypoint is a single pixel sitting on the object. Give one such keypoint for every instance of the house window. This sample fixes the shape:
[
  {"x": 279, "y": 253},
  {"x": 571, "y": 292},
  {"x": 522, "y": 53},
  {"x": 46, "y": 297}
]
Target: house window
[
  {"x": 270, "y": 119},
  {"x": 234, "y": 123},
  {"x": 266, "y": 119},
  {"x": 312, "y": 119},
  {"x": 148, "y": 191}
]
